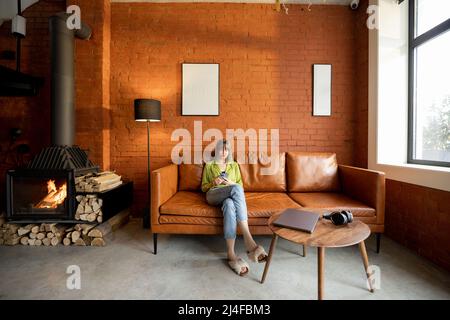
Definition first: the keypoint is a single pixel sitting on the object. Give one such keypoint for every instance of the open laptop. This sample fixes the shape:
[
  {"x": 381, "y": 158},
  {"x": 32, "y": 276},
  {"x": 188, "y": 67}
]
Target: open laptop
[{"x": 297, "y": 219}]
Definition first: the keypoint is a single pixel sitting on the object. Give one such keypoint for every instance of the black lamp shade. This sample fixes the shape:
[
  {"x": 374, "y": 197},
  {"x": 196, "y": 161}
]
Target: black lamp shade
[{"x": 147, "y": 110}]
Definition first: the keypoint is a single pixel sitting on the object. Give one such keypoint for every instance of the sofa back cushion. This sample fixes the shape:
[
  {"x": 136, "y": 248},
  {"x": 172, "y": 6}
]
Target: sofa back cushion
[
  {"x": 312, "y": 172},
  {"x": 254, "y": 181},
  {"x": 190, "y": 177}
]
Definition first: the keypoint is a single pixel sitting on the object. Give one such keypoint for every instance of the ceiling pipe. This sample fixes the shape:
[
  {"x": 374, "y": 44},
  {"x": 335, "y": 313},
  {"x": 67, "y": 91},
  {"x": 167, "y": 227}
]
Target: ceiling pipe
[{"x": 62, "y": 44}]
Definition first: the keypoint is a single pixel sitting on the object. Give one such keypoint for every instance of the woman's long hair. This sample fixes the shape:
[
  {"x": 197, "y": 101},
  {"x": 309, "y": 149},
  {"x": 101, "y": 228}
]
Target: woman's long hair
[{"x": 223, "y": 144}]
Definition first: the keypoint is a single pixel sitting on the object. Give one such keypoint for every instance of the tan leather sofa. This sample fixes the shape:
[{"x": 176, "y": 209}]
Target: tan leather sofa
[{"x": 308, "y": 180}]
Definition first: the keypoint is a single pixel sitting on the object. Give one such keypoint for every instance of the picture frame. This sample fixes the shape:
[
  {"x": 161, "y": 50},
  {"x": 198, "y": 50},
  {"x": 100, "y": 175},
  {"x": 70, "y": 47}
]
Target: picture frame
[
  {"x": 322, "y": 88},
  {"x": 200, "y": 89}
]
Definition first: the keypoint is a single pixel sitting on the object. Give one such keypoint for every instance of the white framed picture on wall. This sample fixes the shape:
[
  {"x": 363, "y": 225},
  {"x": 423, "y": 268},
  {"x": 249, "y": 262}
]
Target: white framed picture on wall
[
  {"x": 322, "y": 90},
  {"x": 200, "y": 89}
]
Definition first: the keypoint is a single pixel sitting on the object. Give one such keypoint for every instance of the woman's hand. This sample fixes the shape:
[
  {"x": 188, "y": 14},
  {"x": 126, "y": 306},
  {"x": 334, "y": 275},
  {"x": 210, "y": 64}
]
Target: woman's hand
[
  {"x": 228, "y": 182},
  {"x": 218, "y": 181}
]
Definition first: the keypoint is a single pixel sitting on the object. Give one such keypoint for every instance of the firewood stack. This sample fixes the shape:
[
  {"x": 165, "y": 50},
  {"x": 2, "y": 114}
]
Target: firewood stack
[
  {"x": 97, "y": 182},
  {"x": 53, "y": 234},
  {"x": 89, "y": 208},
  {"x": 81, "y": 235}
]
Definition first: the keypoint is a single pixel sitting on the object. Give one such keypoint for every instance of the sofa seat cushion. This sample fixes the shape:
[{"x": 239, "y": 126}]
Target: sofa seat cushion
[
  {"x": 259, "y": 204},
  {"x": 187, "y": 203},
  {"x": 264, "y": 204},
  {"x": 173, "y": 219},
  {"x": 332, "y": 201}
]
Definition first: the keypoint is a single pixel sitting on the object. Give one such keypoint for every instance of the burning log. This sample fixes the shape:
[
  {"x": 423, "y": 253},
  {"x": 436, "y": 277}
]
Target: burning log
[{"x": 55, "y": 196}]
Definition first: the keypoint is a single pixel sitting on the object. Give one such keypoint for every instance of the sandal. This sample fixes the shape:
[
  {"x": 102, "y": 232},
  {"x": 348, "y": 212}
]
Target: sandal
[
  {"x": 237, "y": 265},
  {"x": 257, "y": 255}
]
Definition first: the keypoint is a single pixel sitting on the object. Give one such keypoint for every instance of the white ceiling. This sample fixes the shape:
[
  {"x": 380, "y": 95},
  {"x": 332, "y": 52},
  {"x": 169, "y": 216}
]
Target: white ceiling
[{"x": 338, "y": 2}]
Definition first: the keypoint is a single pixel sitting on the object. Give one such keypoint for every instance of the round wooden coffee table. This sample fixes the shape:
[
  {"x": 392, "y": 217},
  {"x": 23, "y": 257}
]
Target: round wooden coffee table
[{"x": 325, "y": 235}]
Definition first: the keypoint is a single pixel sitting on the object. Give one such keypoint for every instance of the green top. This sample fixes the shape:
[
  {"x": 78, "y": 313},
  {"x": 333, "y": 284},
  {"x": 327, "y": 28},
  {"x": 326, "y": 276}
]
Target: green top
[{"x": 212, "y": 171}]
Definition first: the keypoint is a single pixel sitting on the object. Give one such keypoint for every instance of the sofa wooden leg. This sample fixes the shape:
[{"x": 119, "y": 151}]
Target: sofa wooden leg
[
  {"x": 155, "y": 243},
  {"x": 378, "y": 242}
]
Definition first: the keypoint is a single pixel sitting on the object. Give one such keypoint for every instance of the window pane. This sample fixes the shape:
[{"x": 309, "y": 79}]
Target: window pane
[
  {"x": 432, "y": 117},
  {"x": 430, "y": 13}
]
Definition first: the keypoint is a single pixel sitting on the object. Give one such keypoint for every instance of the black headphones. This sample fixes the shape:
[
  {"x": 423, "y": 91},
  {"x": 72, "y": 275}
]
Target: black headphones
[{"x": 339, "y": 217}]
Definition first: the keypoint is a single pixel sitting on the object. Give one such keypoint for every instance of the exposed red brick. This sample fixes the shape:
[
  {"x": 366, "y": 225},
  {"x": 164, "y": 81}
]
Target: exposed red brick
[
  {"x": 265, "y": 61},
  {"x": 92, "y": 76},
  {"x": 419, "y": 218}
]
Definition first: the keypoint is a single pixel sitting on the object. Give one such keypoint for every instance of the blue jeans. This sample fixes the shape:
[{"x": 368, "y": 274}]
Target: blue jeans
[{"x": 234, "y": 208}]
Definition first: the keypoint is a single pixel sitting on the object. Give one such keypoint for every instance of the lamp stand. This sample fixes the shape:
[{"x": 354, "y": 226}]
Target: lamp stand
[{"x": 147, "y": 210}]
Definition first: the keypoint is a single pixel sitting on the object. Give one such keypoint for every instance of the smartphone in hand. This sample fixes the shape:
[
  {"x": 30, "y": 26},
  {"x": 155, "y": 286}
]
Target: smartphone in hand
[{"x": 224, "y": 176}]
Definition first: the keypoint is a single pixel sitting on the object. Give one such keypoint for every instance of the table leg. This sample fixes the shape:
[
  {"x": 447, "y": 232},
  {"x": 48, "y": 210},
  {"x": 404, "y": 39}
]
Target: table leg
[
  {"x": 304, "y": 250},
  {"x": 269, "y": 258},
  {"x": 320, "y": 271},
  {"x": 362, "y": 249}
]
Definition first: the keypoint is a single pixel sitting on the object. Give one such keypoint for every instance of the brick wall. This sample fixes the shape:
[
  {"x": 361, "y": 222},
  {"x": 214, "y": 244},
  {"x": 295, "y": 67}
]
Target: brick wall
[
  {"x": 265, "y": 62},
  {"x": 419, "y": 218},
  {"x": 31, "y": 114},
  {"x": 92, "y": 81}
]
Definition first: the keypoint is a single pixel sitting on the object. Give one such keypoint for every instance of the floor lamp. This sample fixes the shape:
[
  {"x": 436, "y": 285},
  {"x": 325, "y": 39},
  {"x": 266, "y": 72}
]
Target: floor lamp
[{"x": 148, "y": 110}]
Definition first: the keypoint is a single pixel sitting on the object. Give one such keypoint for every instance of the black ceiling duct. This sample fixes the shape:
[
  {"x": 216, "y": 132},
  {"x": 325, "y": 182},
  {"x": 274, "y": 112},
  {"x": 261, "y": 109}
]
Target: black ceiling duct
[{"x": 15, "y": 83}]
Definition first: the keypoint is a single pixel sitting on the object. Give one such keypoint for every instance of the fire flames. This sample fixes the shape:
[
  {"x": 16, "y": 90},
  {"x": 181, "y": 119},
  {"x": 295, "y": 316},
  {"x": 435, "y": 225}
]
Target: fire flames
[{"x": 54, "y": 196}]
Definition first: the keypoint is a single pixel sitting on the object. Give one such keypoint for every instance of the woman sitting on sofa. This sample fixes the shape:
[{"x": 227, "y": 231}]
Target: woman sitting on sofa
[{"x": 222, "y": 183}]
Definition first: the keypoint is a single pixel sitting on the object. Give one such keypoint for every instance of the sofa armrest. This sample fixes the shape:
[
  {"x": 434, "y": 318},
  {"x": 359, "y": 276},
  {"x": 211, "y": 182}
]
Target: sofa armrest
[
  {"x": 164, "y": 186},
  {"x": 367, "y": 186}
]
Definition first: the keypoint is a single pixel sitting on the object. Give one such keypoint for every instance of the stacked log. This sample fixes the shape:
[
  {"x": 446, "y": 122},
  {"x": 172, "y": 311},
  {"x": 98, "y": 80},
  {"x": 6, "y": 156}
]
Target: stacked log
[
  {"x": 89, "y": 208},
  {"x": 35, "y": 234},
  {"x": 9, "y": 234},
  {"x": 97, "y": 182},
  {"x": 83, "y": 234}
]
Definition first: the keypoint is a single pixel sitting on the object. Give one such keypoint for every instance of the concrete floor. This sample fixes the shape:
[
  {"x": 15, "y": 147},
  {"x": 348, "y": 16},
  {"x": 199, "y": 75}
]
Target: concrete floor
[{"x": 194, "y": 267}]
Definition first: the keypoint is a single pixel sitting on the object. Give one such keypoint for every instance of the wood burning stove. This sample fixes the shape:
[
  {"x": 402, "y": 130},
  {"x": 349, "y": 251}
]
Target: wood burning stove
[
  {"x": 40, "y": 195},
  {"x": 45, "y": 189}
]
